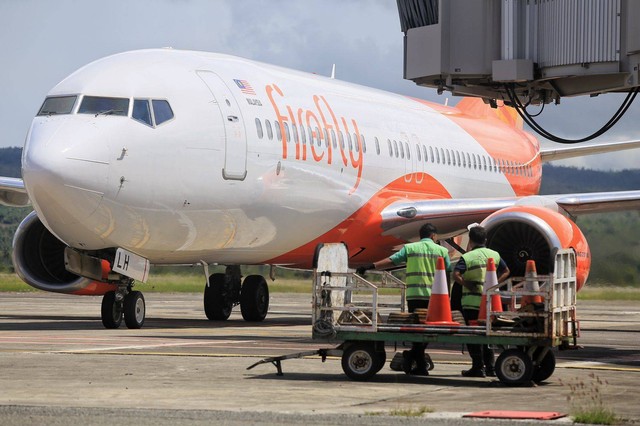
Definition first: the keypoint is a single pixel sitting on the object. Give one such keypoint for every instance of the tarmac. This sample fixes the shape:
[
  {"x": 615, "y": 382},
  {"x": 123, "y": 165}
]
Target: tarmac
[{"x": 58, "y": 365}]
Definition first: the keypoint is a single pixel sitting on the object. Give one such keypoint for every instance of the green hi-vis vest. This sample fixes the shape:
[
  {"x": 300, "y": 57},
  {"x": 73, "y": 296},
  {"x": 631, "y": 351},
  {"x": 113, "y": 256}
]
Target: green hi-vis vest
[
  {"x": 421, "y": 267},
  {"x": 476, "y": 261}
]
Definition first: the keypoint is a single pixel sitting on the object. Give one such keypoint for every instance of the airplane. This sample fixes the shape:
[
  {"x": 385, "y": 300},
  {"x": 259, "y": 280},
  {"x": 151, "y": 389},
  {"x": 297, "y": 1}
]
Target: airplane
[{"x": 165, "y": 156}]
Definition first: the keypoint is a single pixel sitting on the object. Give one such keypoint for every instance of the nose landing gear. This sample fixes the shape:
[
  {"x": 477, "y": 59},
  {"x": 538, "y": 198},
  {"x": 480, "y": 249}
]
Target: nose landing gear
[{"x": 123, "y": 303}]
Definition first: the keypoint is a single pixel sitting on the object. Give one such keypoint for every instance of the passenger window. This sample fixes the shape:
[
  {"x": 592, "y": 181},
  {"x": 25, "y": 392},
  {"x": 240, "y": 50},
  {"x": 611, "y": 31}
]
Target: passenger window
[
  {"x": 364, "y": 144},
  {"x": 406, "y": 145},
  {"x": 311, "y": 134},
  {"x": 334, "y": 139},
  {"x": 356, "y": 145},
  {"x": 431, "y": 154},
  {"x": 424, "y": 153},
  {"x": 326, "y": 138},
  {"x": 377, "y": 145},
  {"x": 349, "y": 141},
  {"x": 276, "y": 124},
  {"x": 395, "y": 148},
  {"x": 161, "y": 111},
  {"x": 267, "y": 124},
  {"x": 341, "y": 139},
  {"x": 484, "y": 162},
  {"x": 401, "y": 150},
  {"x": 418, "y": 153},
  {"x": 318, "y": 136},
  {"x": 437, "y": 156},
  {"x": 390, "y": 148},
  {"x": 448, "y": 158},
  {"x": 458, "y": 162},
  {"x": 294, "y": 129},
  {"x": 286, "y": 131},
  {"x": 303, "y": 136},
  {"x": 258, "y": 125},
  {"x": 141, "y": 111}
]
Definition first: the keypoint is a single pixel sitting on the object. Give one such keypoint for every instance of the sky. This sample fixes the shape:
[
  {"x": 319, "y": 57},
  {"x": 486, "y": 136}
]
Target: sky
[{"x": 44, "y": 41}]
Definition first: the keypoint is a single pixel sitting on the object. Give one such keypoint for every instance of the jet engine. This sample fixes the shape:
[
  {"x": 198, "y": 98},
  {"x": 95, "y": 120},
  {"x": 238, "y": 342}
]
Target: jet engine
[
  {"x": 38, "y": 259},
  {"x": 522, "y": 232}
]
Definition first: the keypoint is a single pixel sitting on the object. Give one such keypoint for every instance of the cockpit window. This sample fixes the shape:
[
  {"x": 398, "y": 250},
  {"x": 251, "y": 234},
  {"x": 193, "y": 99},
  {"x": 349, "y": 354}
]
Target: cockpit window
[
  {"x": 57, "y": 105},
  {"x": 141, "y": 111},
  {"x": 107, "y": 106},
  {"x": 161, "y": 111}
]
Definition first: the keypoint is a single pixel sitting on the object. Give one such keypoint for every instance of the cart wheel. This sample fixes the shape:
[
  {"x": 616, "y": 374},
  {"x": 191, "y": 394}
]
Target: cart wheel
[
  {"x": 514, "y": 367},
  {"x": 360, "y": 361},
  {"x": 545, "y": 369},
  {"x": 382, "y": 359}
]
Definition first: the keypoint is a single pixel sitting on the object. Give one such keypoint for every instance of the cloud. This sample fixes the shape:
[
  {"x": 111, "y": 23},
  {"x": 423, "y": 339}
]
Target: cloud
[{"x": 45, "y": 41}]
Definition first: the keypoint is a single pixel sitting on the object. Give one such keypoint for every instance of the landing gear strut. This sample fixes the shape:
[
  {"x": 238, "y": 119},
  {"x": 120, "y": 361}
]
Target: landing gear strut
[
  {"x": 228, "y": 290},
  {"x": 126, "y": 303}
]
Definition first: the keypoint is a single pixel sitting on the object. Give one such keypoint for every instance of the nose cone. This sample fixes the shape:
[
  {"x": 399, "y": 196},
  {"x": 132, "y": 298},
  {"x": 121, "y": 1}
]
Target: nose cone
[{"x": 65, "y": 169}]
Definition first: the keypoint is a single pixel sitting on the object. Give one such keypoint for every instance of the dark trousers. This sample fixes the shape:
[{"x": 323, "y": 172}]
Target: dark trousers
[
  {"x": 456, "y": 297},
  {"x": 481, "y": 355},
  {"x": 417, "y": 349}
]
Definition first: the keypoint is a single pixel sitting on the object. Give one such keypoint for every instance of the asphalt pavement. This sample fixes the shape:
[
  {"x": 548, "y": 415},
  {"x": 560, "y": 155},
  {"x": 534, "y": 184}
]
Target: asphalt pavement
[{"x": 58, "y": 365}]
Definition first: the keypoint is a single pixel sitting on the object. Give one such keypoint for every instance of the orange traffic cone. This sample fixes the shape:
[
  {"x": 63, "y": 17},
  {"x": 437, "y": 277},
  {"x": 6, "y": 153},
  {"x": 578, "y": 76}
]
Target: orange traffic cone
[
  {"x": 531, "y": 285},
  {"x": 439, "y": 306},
  {"x": 490, "y": 280}
]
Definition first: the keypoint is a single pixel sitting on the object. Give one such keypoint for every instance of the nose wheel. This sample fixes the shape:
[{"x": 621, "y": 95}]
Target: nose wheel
[{"x": 116, "y": 306}]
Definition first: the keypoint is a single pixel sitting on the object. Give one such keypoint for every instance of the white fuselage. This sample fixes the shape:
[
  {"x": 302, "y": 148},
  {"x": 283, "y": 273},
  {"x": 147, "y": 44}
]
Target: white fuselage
[{"x": 204, "y": 186}]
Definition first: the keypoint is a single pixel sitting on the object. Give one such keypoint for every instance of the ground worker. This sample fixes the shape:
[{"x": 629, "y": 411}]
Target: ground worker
[
  {"x": 470, "y": 272},
  {"x": 420, "y": 258}
]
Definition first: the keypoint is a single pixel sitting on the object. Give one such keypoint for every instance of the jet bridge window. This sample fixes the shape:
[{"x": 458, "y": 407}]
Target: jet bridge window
[
  {"x": 57, "y": 105},
  {"x": 107, "y": 106}
]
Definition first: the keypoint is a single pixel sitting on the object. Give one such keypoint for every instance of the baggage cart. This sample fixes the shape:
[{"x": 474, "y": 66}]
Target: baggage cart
[{"x": 348, "y": 310}]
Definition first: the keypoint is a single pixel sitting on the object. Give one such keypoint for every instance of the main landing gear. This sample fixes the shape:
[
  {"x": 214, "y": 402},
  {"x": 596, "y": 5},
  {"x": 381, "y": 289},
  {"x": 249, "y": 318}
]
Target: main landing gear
[
  {"x": 228, "y": 290},
  {"x": 126, "y": 303}
]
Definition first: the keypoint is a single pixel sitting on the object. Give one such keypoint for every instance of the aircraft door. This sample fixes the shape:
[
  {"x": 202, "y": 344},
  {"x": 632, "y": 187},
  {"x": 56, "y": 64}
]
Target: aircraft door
[{"x": 235, "y": 138}]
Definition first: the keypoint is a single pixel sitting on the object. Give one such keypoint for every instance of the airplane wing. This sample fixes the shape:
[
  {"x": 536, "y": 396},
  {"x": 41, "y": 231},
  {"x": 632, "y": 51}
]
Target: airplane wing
[
  {"x": 550, "y": 153},
  {"x": 13, "y": 193},
  {"x": 452, "y": 216}
]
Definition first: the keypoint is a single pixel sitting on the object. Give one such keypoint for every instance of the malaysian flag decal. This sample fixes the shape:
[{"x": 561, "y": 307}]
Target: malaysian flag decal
[{"x": 245, "y": 87}]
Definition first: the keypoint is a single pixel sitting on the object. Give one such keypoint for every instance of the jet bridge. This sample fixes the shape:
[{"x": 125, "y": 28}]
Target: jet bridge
[{"x": 523, "y": 52}]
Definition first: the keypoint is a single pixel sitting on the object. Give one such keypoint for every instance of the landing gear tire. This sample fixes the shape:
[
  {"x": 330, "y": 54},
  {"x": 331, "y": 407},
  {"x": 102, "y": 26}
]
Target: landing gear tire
[
  {"x": 254, "y": 298},
  {"x": 134, "y": 309},
  {"x": 545, "y": 368},
  {"x": 514, "y": 367},
  {"x": 216, "y": 307},
  {"x": 360, "y": 361},
  {"x": 111, "y": 311}
]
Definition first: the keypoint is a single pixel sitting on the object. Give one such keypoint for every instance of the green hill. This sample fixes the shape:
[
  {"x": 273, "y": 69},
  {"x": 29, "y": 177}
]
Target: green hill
[{"x": 614, "y": 238}]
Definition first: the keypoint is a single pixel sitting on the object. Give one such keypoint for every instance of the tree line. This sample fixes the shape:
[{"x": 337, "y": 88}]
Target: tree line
[{"x": 614, "y": 238}]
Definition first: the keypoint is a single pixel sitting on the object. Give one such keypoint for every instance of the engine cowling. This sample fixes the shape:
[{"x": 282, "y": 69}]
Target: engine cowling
[
  {"x": 38, "y": 259},
  {"x": 521, "y": 233}
]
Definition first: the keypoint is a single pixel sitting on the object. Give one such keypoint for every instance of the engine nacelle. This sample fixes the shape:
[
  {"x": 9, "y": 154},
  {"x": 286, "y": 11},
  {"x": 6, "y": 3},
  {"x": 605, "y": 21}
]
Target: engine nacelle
[
  {"x": 38, "y": 258},
  {"x": 521, "y": 233}
]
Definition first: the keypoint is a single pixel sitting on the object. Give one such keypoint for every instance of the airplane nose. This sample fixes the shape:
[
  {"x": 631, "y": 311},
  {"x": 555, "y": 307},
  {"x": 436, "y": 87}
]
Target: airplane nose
[{"x": 65, "y": 169}]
